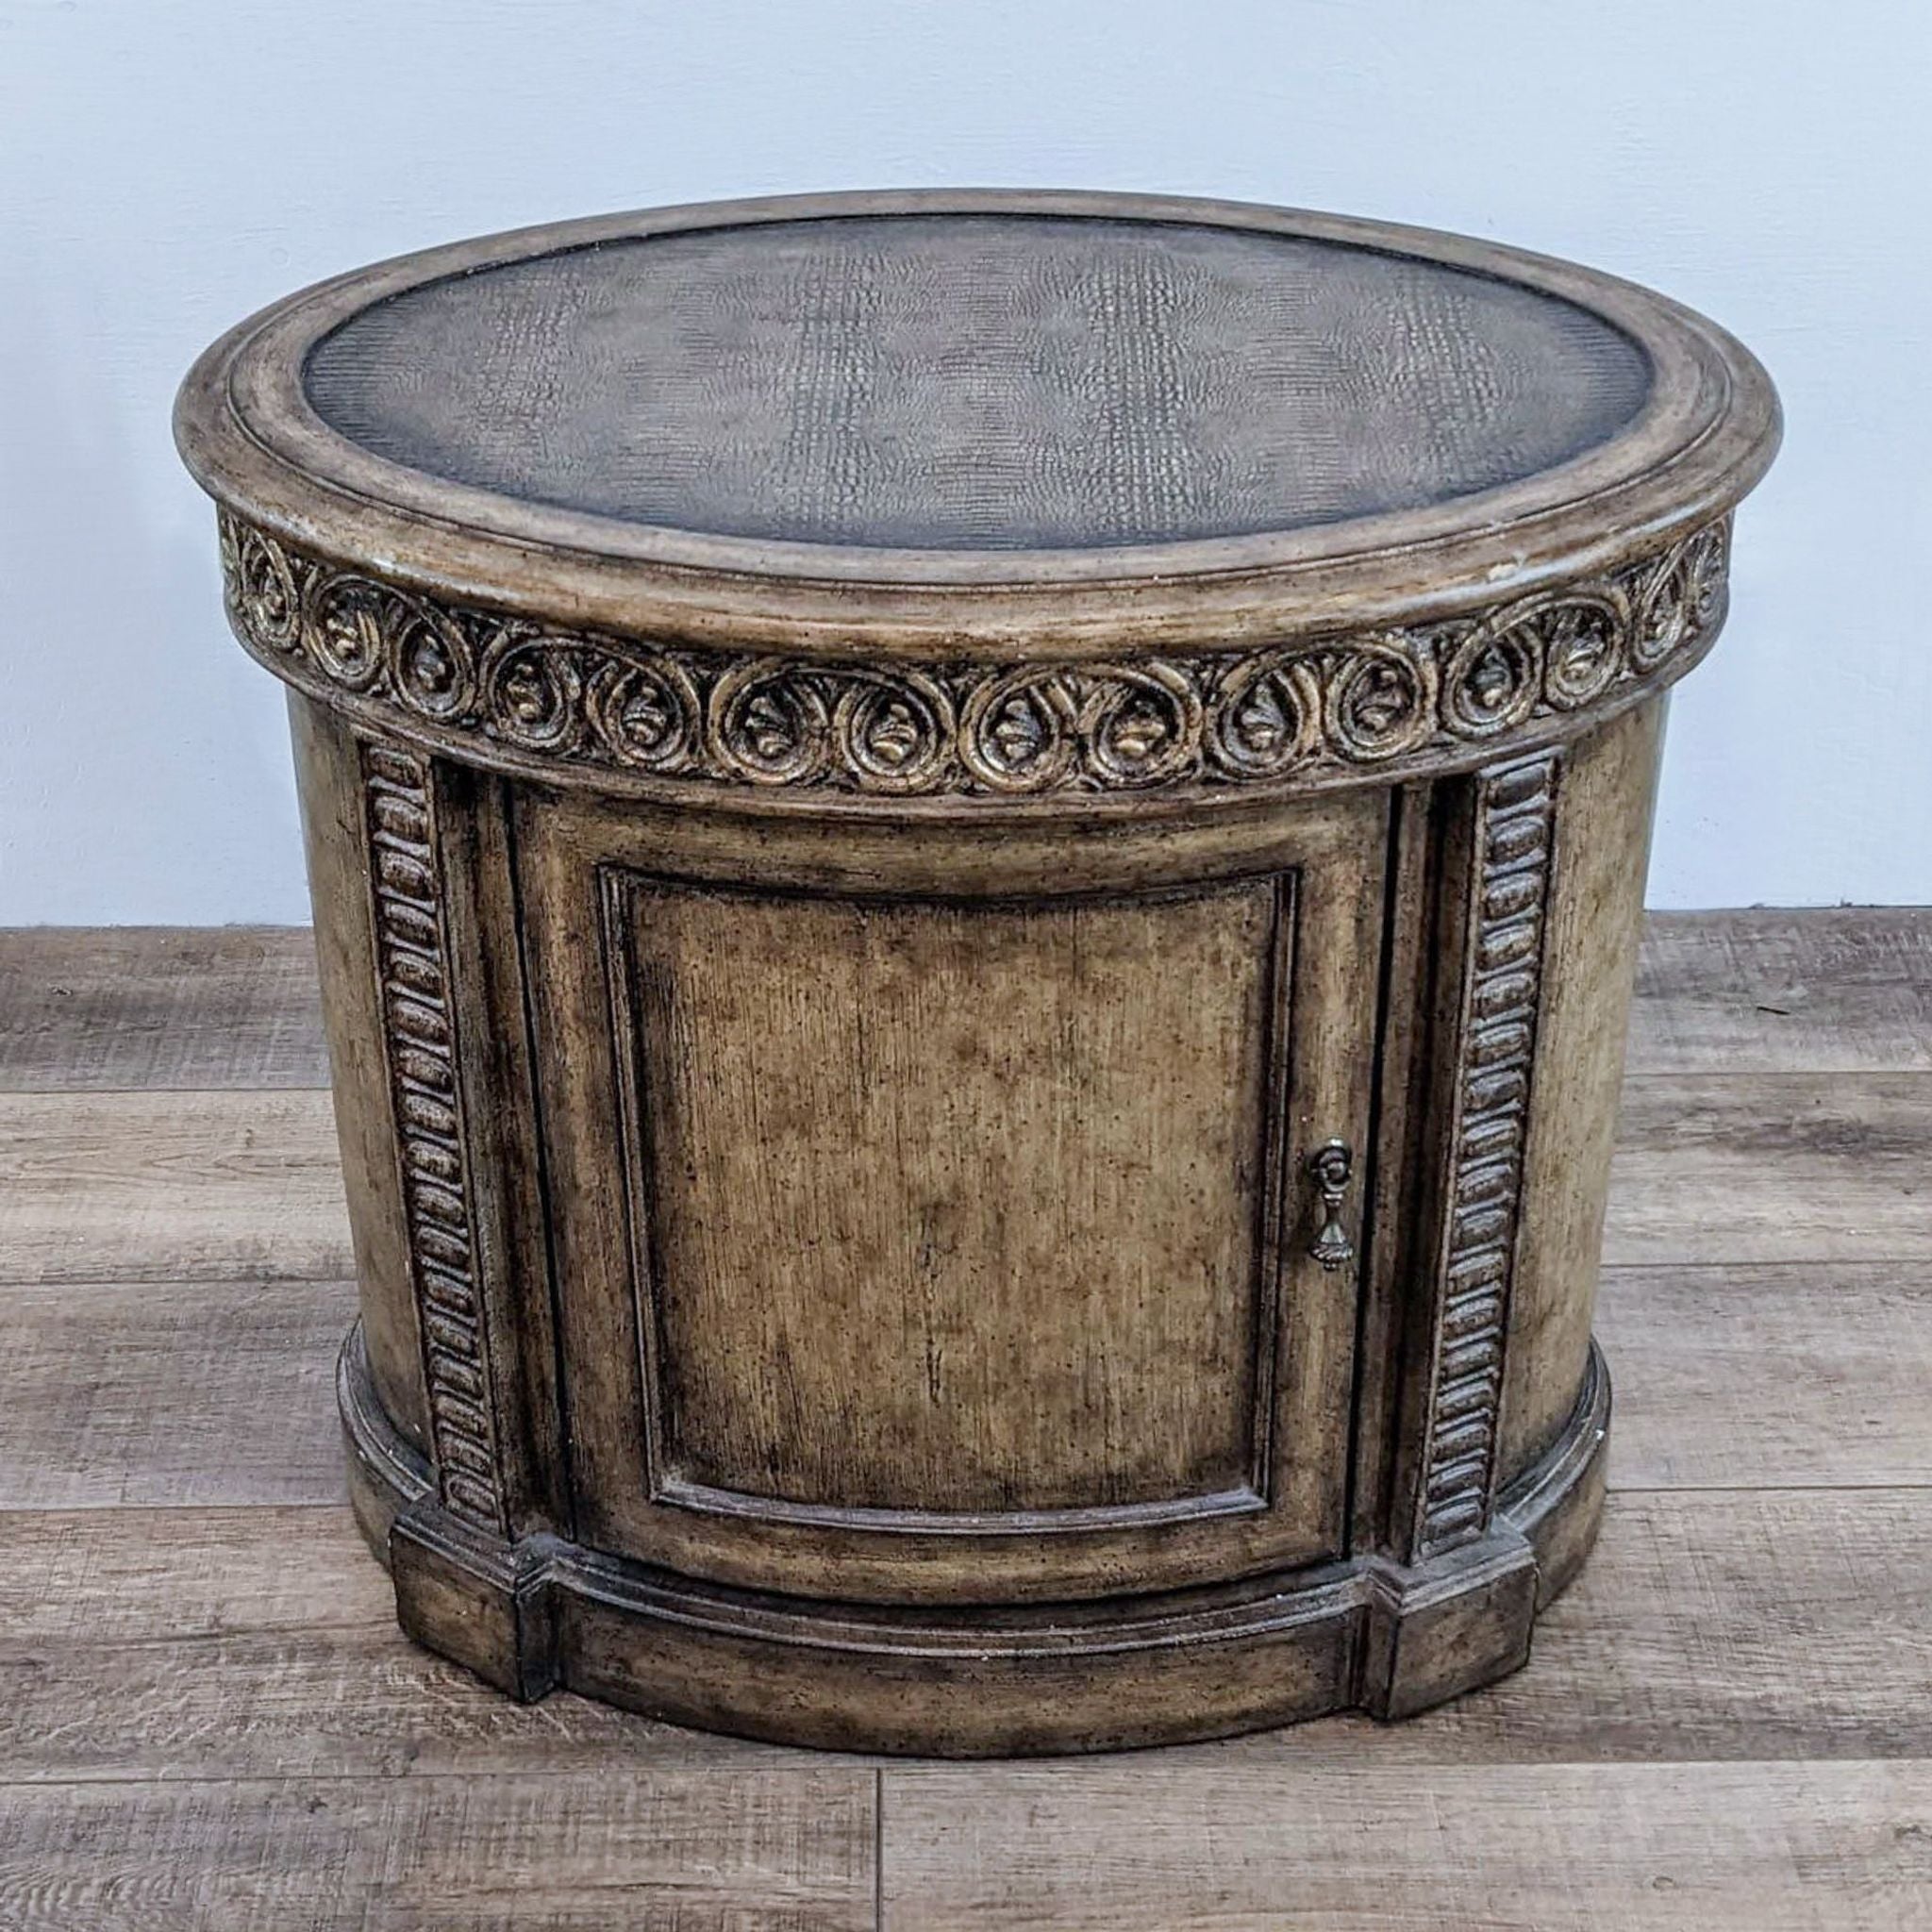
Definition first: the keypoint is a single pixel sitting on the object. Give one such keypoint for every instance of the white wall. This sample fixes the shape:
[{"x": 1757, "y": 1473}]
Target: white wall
[{"x": 167, "y": 165}]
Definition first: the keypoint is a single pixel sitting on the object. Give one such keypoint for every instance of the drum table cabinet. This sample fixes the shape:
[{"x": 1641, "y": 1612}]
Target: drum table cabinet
[{"x": 977, "y": 860}]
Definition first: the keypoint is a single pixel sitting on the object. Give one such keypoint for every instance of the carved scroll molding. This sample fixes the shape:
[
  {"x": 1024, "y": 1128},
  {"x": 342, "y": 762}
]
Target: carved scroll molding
[
  {"x": 1514, "y": 832},
  {"x": 1382, "y": 702},
  {"x": 425, "y": 1095}
]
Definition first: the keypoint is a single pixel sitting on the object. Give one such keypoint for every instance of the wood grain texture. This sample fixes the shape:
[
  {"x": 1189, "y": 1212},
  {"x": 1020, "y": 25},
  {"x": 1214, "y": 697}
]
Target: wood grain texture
[
  {"x": 789, "y": 1849},
  {"x": 1771, "y": 1167},
  {"x": 157, "y": 1643},
  {"x": 1709, "y": 1718},
  {"x": 931, "y": 1034},
  {"x": 802, "y": 1186},
  {"x": 260, "y": 1641},
  {"x": 1552, "y": 1848},
  {"x": 170, "y": 1641},
  {"x": 1819, "y": 991},
  {"x": 143, "y": 1573},
  {"x": 1717, "y": 1167},
  {"x": 167, "y": 1187},
  {"x": 350, "y": 991},
  {"x": 1749, "y": 1623},
  {"x": 194, "y": 1393},
  {"x": 1731, "y": 1378},
  {"x": 103, "y": 1007},
  {"x": 922, "y": 1037},
  {"x": 1596, "y": 912},
  {"x": 1753, "y": 1376},
  {"x": 1844, "y": 989}
]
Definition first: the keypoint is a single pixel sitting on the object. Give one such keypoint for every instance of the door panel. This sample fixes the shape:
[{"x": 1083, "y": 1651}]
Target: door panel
[
  {"x": 913, "y": 1245},
  {"x": 974, "y": 1109}
]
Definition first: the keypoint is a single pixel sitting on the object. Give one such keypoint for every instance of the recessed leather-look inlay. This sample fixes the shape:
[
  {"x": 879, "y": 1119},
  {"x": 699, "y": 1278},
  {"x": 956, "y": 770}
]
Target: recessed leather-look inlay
[{"x": 977, "y": 381}]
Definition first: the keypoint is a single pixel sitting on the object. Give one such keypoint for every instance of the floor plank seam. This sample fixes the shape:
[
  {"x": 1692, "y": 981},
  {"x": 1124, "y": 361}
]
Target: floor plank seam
[
  {"x": 774, "y": 1760},
  {"x": 1904, "y": 1489},
  {"x": 878, "y": 1850},
  {"x": 342, "y": 1507},
  {"x": 25, "y": 1649}
]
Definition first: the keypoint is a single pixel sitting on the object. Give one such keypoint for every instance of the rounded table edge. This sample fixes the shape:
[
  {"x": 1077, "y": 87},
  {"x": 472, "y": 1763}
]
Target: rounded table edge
[{"x": 1704, "y": 441}]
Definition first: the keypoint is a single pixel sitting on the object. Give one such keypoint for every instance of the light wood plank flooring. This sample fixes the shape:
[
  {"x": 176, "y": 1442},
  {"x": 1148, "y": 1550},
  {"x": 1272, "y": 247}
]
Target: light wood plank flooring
[{"x": 208, "y": 1718}]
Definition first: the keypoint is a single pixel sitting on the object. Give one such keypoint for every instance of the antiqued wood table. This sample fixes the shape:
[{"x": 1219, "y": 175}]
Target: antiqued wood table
[{"x": 977, "y": 858}]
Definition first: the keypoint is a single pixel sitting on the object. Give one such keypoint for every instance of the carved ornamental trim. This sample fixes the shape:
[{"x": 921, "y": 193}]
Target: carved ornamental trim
[
  {"x": 1515, "y": 817},
  {"x": 419, "y": 1042},
  {"x": 1369, "y": 701}
]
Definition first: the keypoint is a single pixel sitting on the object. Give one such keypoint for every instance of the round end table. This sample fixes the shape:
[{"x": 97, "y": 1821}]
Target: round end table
[{"x": 977, "y": 860}]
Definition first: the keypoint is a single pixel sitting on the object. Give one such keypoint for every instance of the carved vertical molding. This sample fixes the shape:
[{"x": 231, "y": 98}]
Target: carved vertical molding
[
  {"x": 426, "y": 1094},
  {"x": 1512, "y": 851}
]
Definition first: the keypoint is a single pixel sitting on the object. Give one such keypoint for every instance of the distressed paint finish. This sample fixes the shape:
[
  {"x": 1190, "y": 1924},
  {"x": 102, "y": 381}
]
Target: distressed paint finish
[
  {"x": 1512, "y": 858},
  {"x": 976, "y": 1068},
  {"x": 633, "y": 713},
  {"x": 427, "y": 1112},
  {"x": 1595, "y": 911}
]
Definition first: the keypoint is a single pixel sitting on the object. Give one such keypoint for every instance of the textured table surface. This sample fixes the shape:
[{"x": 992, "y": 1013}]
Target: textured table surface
[
  {"x": 911, "y": 424},
  {"x": 977, "y": 381}
]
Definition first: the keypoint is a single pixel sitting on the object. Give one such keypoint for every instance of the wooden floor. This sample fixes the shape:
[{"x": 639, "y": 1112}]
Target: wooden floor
[{"x": 208, "y": 1718}]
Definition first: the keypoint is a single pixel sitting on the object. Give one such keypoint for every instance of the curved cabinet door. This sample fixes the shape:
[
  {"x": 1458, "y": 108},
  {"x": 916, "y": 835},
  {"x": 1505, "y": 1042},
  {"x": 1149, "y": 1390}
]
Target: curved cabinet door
[{"x": 932, "y": 1215}]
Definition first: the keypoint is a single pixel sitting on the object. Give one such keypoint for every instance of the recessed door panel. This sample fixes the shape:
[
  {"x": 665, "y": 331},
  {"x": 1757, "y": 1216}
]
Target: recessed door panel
[
  {"x": 871, "y": 1144},
  {"x": 904, "y": 1237}
]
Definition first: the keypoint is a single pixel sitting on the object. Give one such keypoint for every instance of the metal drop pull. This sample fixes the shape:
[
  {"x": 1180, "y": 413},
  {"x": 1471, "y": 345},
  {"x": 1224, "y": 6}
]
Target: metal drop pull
[{"x": 1330, "y": 1167}]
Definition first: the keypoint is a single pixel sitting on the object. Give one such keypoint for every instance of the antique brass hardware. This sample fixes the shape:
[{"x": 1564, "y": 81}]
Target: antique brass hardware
[{"x": 1330, "y": 1166}]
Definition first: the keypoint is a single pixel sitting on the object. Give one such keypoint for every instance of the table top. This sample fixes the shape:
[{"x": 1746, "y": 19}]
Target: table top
[
  {"x": 969, "y": 382},
  {"x": 976, "y": 493},
  {"x": 1054, "y": 422}
]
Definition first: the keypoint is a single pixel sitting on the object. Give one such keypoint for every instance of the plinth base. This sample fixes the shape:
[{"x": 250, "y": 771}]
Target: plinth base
[{"x": 542, "y": 1614}]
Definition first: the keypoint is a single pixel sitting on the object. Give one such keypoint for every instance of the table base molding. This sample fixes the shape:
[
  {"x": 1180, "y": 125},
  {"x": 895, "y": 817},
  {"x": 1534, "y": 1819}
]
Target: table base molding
[{"x": 542, "y": 1614}]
